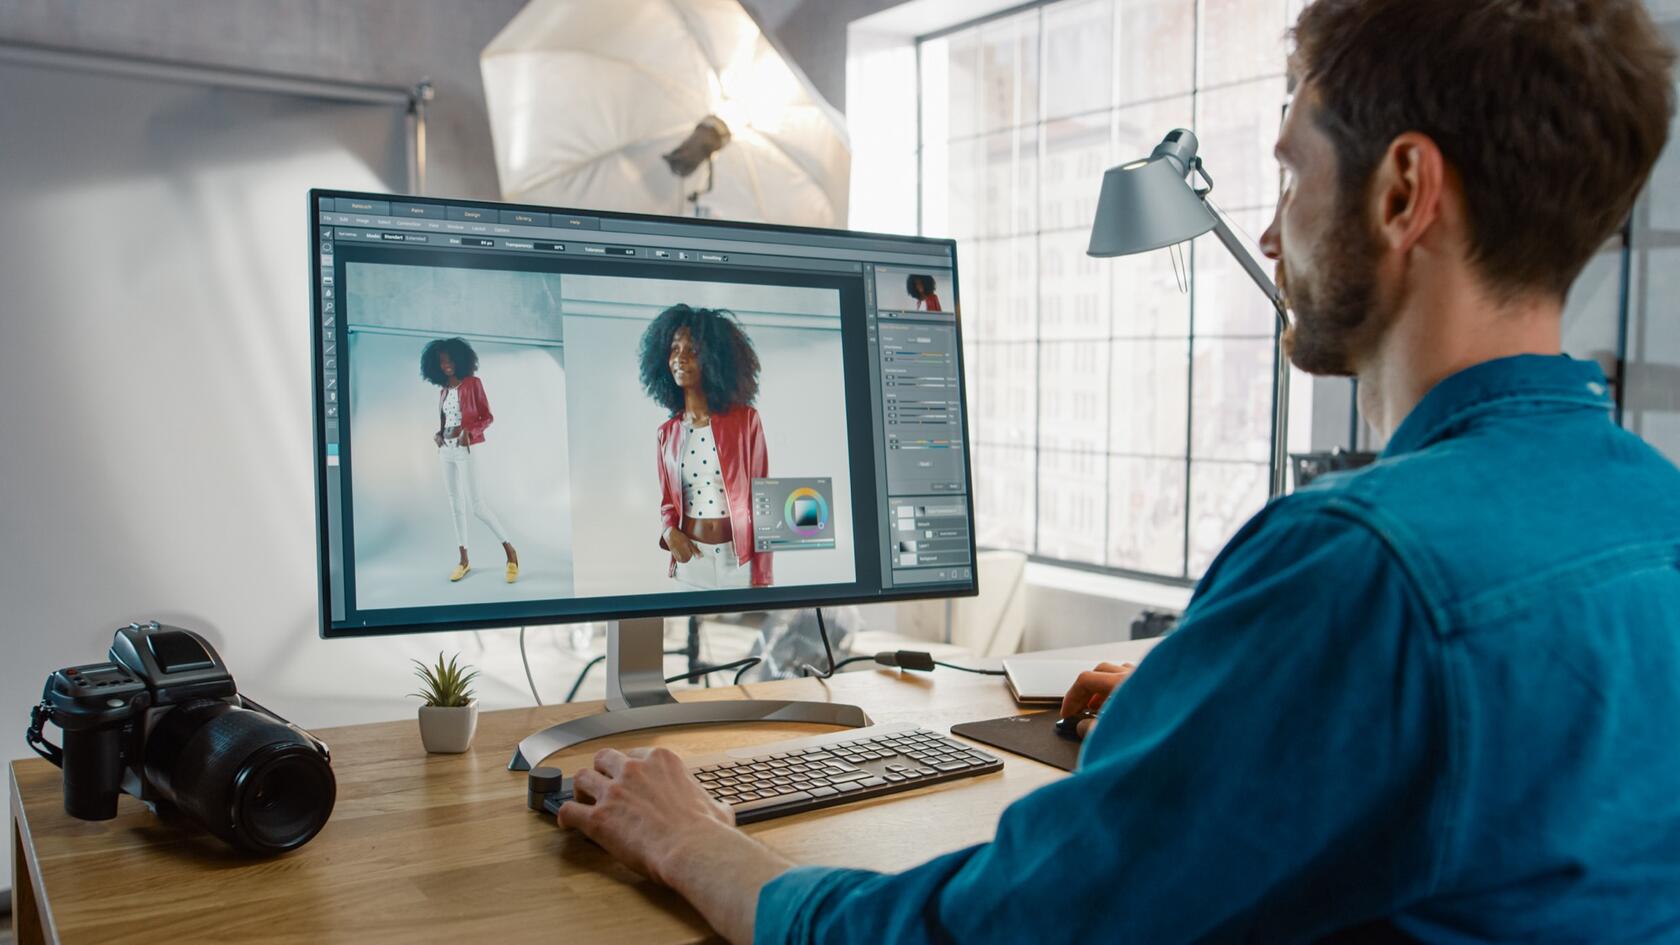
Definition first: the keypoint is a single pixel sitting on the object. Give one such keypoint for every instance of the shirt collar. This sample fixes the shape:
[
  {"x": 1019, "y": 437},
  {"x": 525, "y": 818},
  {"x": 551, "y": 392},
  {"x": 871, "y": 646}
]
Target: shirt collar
[{"x": 1526, "y": 378}]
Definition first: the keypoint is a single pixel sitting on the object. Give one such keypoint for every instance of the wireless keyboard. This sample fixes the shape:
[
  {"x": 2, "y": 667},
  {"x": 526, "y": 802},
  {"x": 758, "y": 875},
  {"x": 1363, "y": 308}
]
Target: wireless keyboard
[{"x": 791, "y": 777}]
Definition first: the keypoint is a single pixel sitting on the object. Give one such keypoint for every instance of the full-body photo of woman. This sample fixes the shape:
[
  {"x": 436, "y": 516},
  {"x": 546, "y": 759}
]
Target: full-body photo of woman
[
  {"x": 698, "y": 364},
  {"x": 463, "y": 415}
]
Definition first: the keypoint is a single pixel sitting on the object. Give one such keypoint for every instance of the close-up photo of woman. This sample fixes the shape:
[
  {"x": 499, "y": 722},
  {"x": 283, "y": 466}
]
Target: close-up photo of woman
[
  {"x": 921, "y": 288},
  {"x": 700, "y": 365},
  {"x": 463, "y": 415}
]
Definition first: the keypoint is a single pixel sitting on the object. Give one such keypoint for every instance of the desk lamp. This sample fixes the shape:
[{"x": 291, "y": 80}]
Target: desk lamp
[{"x": 1153, "y": 203}]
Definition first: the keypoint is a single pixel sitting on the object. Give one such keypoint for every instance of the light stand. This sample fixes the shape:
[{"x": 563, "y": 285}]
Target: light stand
[
  {"x": 637, "y": 699},
  {"x": 1152, "y": 204}
]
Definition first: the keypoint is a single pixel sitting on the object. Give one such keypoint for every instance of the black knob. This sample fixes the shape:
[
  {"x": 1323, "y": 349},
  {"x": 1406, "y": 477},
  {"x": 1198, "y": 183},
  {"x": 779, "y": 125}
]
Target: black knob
[
  {"x": 544, "y": 780},
  {"x": 540, "y": 784}
]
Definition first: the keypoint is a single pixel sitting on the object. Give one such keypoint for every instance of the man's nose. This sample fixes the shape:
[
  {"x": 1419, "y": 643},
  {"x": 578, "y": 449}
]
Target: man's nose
[{"x": 1271, "y": 241}]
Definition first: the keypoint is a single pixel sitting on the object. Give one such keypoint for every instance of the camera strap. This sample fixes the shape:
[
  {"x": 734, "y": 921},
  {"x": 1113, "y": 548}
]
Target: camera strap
[{"x": 37, "y": 735}]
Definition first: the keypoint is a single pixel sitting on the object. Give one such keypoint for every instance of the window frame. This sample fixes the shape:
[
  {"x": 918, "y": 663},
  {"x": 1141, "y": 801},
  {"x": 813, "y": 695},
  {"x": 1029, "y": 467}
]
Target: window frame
[{"x": 1036, "y": 126}]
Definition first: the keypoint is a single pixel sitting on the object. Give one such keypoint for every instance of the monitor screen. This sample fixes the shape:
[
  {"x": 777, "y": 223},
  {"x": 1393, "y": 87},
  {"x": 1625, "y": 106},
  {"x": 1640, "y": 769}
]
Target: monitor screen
[{"x": 646, "y": 415}]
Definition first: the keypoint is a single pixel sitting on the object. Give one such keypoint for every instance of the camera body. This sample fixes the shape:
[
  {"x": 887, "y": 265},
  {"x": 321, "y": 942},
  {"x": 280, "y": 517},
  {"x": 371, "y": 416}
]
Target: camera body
[{"x": 163, "y": 721}]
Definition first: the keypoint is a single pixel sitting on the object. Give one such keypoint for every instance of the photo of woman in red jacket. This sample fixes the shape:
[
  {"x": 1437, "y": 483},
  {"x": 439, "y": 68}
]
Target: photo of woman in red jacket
[
  {"x": 463, "y": 414},
  {"x": 698, "y": 364}
]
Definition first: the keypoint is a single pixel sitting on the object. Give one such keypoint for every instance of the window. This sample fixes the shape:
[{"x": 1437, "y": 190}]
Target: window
[{"x": 1120, "y": 413}]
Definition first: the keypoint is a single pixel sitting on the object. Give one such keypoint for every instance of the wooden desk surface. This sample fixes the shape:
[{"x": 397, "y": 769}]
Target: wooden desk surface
[{"x": 441, "y": 848}]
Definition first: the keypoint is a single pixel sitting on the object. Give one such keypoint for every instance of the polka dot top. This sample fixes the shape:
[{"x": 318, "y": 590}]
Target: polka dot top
[
  {"x": 702, "y": 477},
  {"x": 452, "y": 408}
]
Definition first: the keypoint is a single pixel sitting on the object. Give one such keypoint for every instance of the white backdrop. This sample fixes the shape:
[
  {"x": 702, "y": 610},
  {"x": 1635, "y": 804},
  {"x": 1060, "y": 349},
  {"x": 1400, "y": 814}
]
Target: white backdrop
[{"x": 796, "y": 332}]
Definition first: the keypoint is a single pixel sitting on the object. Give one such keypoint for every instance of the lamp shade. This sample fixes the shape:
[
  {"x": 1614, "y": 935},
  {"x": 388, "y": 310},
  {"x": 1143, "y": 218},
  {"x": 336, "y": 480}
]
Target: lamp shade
[{"x": 1147, "y": 205}]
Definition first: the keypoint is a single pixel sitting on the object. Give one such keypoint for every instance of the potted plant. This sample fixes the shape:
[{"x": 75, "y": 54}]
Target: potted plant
[{"x": 449, "y": 716}]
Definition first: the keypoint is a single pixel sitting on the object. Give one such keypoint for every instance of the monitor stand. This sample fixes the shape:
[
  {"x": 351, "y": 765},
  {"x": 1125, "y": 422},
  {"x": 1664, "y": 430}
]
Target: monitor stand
[{"x": 637, "y": 699}]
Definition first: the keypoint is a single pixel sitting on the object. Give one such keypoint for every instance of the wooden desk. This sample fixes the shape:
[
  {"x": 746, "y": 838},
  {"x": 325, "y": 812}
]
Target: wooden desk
[{"x": 441, "y": 848}]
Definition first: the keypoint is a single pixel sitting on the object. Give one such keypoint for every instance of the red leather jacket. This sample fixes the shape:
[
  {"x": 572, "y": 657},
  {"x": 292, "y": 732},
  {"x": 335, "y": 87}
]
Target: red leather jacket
[
  {"x": 741, "y": 452},
  {"x": 475, "y": 409}
]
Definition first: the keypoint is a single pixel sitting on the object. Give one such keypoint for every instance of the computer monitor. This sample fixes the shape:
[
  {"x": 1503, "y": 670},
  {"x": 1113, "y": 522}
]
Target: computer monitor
[{"x": 651, "y": 415}]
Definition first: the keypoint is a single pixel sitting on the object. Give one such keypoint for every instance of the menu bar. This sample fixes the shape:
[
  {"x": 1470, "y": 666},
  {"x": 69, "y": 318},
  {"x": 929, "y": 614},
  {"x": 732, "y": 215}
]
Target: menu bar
[
  {"x": 555, "y": 227},
  {"x": 576, "y": 247}
]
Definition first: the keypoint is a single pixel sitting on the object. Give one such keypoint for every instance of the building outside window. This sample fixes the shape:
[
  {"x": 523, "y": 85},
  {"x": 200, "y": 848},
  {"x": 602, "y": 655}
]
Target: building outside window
[{"x": 1120, "y": 409}]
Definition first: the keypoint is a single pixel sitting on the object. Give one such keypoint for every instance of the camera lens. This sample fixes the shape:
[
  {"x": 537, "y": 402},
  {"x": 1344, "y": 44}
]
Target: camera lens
[{"x": 249, "y": 779}]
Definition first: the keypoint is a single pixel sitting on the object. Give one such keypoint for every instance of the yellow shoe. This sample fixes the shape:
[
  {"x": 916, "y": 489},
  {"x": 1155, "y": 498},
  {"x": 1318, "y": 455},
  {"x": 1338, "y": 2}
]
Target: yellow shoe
[
  {"x": 513, "y": 571},
  {"x": 459, "y": 572}
]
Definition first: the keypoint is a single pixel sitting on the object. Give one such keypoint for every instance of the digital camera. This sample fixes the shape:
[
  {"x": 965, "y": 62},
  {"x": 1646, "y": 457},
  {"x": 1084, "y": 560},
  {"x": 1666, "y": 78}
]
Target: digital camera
[{"x": 163, "y": 721}]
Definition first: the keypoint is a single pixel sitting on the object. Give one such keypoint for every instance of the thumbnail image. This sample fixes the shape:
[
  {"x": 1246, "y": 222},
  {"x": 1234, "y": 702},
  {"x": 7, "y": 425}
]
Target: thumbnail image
[
  {"x": 457, "y": 401},
  {"x": 686, "y": 393},
  {"x": 910, "y": 290}
]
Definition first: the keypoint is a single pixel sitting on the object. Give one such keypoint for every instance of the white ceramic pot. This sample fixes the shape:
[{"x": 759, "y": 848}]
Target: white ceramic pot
[{"x": 448, "y": 729}]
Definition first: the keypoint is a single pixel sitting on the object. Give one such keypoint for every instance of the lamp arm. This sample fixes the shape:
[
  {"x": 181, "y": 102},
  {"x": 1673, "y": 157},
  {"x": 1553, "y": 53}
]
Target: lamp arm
[
  {"x": 1250, "y": 266},
  {"x": 1279, "y": 466}
]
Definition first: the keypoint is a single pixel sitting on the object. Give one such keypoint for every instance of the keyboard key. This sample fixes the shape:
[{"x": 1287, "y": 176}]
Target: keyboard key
[
  {"x": 951, "y": 765},
  {"x": 894, "y": 777},
  {"x": 926, "y": 772},
  {"x": 823, "y": 792},
  {"x": 772, "y": 801},
  {"x": 849, "y": 776},
  {"x": 847, "y": 787}
]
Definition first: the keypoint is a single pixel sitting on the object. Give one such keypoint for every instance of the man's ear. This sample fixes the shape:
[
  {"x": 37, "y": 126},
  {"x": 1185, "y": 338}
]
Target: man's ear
[{"x": 1408, "y": 191}]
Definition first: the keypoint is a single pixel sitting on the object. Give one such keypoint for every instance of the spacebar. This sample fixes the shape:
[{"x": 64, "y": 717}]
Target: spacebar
[{"x": 776, "y": 801}]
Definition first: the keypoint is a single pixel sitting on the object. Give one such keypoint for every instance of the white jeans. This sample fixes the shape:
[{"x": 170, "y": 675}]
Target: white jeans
[
  {"x": 715, "y": 566},
  {"x": 457, "y": 462}
]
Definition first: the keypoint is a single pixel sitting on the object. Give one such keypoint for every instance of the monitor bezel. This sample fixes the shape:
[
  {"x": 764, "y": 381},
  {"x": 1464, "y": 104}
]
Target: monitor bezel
[{"x": 691, "y": 605}]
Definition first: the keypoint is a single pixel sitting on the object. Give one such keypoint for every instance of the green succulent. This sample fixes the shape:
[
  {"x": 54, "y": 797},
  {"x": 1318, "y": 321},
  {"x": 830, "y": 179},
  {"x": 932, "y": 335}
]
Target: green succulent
[{"x": 445, "y": 684}]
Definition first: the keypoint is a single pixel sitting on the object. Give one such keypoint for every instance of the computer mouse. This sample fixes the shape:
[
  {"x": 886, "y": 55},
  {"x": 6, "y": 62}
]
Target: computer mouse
[{"x": 1069, "y": 727}]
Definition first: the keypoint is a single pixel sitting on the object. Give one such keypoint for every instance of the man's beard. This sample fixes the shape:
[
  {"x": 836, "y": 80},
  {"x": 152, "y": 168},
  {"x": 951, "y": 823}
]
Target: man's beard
[{"x": 1337, "y": 315}]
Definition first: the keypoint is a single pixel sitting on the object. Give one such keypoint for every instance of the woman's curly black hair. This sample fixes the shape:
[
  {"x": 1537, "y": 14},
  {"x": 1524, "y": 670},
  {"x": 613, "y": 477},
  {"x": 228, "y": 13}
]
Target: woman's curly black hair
[
  {"x": 919, "y": 286},
  {"x": 728, "y": 363},
  {"x": 460, "y": 354}
]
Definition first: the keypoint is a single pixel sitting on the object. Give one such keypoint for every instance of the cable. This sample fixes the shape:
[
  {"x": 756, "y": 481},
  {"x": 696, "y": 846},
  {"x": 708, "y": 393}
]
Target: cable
[
  {"x": 743, "y": 664},
  {"x": 522, "y": 659},
  {"x": 742, "y": 672},
  {"x": 583, "y": 673},
  {"x": 970, "y": 669},
  {"x": 916, "y": 660},
  {"x": 822, "y": 630}
]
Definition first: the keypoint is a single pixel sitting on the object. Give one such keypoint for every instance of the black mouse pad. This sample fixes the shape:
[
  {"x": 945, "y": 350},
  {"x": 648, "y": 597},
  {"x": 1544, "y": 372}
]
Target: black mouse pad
[{"x": 1033, "y": 736}]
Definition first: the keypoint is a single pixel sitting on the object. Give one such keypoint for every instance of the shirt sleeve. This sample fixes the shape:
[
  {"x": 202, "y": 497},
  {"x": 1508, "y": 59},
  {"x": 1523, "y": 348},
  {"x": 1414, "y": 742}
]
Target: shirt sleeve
[{"x": 1268, "y": 773}]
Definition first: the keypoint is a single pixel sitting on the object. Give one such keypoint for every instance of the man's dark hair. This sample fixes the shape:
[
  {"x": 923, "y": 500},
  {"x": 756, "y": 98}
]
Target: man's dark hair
[
  {"x": 460, "y": 354},
  {"x": 728, "y": 363},
  {"x": 1552, "y": 112}
]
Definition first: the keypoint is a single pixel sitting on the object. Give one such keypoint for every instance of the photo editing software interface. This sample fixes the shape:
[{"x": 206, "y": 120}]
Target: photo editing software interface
[{"x": 527, "y": 414}]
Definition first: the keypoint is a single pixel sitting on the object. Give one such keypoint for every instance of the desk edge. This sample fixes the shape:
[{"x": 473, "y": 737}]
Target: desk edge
[{"x": 20, "y": 824}]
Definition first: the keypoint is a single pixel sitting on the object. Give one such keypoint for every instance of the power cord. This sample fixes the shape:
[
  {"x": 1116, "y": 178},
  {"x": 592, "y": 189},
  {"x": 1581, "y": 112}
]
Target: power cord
[
  {"x": 806, "y": 669},
  {"x": 582, "y": 674},
  {"x": 532, "y": 682},
  {"x": 742, "y": 665},
  {"x": 916, "y": 660}
]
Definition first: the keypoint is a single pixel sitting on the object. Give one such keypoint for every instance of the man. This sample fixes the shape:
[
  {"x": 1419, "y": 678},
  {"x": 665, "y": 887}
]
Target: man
[{"x": 1434, "y": 700}]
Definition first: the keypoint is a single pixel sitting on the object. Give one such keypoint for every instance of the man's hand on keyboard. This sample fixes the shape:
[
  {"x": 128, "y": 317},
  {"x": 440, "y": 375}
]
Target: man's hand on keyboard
[
  {"x": 1091, "y": 689},
  {"x": 644, "y": 808}
]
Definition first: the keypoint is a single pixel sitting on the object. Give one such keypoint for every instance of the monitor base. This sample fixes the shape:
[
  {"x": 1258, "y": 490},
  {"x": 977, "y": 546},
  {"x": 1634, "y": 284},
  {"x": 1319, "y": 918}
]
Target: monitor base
[
  {"x": 539, "y": 745},
  {"x": 637, "y": 699}
]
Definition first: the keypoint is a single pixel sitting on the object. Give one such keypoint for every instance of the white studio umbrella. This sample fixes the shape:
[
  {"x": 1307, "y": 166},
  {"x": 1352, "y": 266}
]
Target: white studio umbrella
[{"x": 602, "y": 104}]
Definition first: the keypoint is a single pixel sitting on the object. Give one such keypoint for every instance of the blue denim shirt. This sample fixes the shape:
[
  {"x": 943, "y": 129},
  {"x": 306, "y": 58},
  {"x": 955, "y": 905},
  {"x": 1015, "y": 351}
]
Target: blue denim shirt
[{"x": 1435, "y": 699}]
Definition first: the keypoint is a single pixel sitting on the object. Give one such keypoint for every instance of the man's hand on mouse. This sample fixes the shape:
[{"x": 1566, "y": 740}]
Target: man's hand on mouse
[{"x": 1091, "y": 689}]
